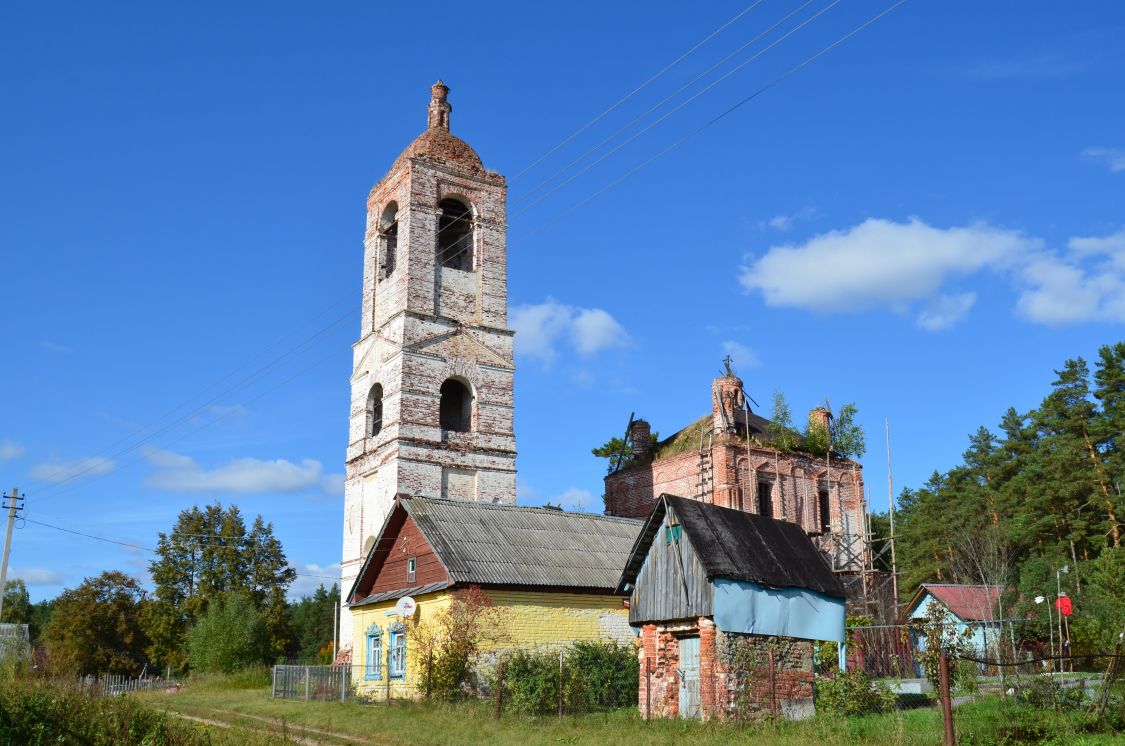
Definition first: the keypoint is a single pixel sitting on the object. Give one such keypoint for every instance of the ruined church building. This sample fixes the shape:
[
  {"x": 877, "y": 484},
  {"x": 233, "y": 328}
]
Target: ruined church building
[{"x": 432, "y": 381}]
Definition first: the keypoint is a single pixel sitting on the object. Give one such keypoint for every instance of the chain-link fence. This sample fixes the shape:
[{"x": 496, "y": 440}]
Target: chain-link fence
[
  {"x": 1060, "y": 699},
  {"x": 549, "y": 679}
]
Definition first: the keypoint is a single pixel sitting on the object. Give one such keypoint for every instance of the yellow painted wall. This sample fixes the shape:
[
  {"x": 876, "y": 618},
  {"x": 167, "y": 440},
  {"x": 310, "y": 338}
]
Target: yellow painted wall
[{"x": 534, "y": 619}]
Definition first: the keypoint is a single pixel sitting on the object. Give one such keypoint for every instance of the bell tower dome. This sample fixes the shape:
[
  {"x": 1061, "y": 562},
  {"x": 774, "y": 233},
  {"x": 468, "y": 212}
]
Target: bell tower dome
[{"x": 432, "y": 399}]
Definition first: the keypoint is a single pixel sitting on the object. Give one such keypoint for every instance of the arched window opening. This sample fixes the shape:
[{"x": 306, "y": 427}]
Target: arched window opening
[
  {"x": 825, "y": 509},
  {"x": 455, "y": 236},
  {"x": 456, "y": 409},
  {"x": 388, "y": 226},
  {"x": 375, "y": 410},
  {"x": 765, "y": 497}
]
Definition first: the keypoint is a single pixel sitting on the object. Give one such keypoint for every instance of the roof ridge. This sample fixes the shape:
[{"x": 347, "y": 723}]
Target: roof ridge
[{"x": 525, "y": 508}]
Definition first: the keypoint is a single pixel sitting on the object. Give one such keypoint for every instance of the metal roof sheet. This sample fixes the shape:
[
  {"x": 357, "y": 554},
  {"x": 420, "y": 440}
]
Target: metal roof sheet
[
  {"x": 419, "y": 590},
  {"x": 971, "y": 603},
  {"x": 489, "y": 544}
]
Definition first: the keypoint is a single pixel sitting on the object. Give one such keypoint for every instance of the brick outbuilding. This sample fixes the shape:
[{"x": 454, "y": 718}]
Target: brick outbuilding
[{"x": 729, "y": 605}]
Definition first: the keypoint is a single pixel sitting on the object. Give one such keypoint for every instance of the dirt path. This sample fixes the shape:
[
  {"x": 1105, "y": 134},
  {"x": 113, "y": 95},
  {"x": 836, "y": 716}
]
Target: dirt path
[{"x": 297, "y": 733}]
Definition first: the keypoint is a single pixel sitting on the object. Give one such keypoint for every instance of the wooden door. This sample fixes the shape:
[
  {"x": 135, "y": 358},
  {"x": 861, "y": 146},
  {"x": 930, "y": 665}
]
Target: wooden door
[{"x": 689, "y": 677}]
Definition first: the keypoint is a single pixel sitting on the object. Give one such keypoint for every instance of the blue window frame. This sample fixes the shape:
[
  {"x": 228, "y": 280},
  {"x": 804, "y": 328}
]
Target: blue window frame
[
  {"x": 398, "y": 651},
  {"x": 374, "y": 662}
]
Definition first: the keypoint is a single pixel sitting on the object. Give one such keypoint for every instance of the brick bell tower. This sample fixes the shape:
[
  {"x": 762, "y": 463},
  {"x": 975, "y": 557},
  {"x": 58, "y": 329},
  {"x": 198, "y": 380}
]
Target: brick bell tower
[{"x": 432, "y": 403}]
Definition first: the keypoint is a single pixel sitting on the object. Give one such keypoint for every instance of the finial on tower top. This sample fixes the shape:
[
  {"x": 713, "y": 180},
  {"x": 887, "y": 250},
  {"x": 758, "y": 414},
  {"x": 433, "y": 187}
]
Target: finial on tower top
[{"x": 439, "y": 106}]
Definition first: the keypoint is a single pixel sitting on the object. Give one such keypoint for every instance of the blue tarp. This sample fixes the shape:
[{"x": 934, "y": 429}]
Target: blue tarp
[{"x": 741, "y": 606}]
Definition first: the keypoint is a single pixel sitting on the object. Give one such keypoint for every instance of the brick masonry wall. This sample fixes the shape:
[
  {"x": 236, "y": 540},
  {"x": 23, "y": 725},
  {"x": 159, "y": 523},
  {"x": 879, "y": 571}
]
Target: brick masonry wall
[
  {"x": 734, "y": 673},
  {"x": 735, "y": 473},
  {"x": 421, "y": 325}
]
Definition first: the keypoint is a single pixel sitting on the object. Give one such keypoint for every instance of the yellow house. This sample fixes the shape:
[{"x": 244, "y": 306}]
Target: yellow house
[{"x": 553, "y": 573}]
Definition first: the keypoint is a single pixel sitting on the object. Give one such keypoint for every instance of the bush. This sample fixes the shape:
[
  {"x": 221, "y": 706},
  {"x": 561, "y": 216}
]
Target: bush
[
  {"x": 1047, "y": 694},
  {"x": 595, "y": 676},
  {"x": 256, "y": 676},
  {"x": 230, "y": 636},
  {"x": 853, "y": 693},
  {"x": 37, "y": 711}
]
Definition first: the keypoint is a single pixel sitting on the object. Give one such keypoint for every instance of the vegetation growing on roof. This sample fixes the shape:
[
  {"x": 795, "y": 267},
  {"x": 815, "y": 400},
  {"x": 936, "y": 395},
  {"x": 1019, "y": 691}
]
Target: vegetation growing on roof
[{"x": 682, "y": 442}]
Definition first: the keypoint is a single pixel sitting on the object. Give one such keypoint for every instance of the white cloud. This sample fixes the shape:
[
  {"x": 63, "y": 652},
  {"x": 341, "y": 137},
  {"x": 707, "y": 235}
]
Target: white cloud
[
  {"x": 1113, "y": 158},
  {"x": 1087, "y": 283},
  {"x": 333, "y": 484},
  {"x": 945, "y": 311},
  {"x": 62, "y": 470},
  {"x": 311, "y": 576},
  {"x": 10, "y": 449},
  {"x": 577, "y": 499},
  {"x": 526, "y": 494},
  {"x": 245, "y": 475},
  {"x": 37, "y": 575},
  {"x": 786, "y": 222},
  {"x": 541, "y": 327},
  {"x": 593, "y": 330},
  {"x": 741, "y": 355},
  {"x": 878, "y": 262}
]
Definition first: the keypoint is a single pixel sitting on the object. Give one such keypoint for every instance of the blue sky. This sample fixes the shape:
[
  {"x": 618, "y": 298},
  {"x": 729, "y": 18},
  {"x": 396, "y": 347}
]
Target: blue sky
[{"x": 926, "y": 220}]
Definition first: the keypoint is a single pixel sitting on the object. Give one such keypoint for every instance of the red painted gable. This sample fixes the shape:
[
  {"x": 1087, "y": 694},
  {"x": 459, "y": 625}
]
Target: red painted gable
[{"x": 386, "y": 568}]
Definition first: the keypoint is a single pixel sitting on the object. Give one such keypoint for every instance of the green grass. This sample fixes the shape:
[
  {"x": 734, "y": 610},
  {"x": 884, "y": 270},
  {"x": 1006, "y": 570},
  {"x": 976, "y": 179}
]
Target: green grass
[{"x": 988, "y": 722}]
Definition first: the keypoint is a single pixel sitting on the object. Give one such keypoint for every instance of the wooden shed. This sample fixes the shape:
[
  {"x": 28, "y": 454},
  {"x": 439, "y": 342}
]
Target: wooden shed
[{"x": 728, "y": 604}]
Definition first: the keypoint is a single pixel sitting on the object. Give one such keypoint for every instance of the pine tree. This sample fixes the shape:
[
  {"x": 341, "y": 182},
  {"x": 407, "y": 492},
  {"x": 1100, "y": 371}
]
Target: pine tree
[
  {"x": 782, "y": 433},
  {"x": 207, "y": 555}
]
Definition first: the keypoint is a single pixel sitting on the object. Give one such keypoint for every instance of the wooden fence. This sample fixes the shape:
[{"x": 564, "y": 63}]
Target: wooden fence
[{"x": 113, "y": 685}]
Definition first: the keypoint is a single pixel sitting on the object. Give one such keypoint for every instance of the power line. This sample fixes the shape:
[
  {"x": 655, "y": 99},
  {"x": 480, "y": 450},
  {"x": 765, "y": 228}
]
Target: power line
[
  {"x": 715, "y": 120},
  {"x": 638, "y": 89},
  {"x": 146, "y": 549},
  {"x": 207, "y": 424},
  {"x": 661, "y": 103},
  {"x": 684, "y": 103},
  {"x": 92, "y": 467}
]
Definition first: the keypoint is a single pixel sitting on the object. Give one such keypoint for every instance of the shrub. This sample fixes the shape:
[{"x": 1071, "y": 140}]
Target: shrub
[
  {"x": 230, "y": 636},
  {"x": 594, "y": 676},
  {"x": 853, "y": 693},
  {"x": 446, "y": 646},
  {"x": 35, "y": 711}
]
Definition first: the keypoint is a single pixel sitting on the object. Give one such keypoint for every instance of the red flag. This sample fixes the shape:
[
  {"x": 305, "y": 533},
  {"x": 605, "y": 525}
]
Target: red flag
[{"x": 1062, "y": 603}]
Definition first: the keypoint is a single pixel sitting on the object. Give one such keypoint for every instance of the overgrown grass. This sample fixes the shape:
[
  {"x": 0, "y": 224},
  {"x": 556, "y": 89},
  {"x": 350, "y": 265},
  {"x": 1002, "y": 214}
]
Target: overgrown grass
[
  {"x": 251, "y": 677},
  {"x": 982, "y": 723},
  {"x": 35, "y": 710}
]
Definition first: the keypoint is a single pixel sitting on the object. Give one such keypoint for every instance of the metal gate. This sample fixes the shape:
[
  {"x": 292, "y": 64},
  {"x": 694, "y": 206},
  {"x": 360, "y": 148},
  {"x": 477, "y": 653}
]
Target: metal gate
[{"x": 689, "y": 677}]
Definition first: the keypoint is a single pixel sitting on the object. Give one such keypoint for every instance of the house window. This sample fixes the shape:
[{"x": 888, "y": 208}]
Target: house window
[
  {"x": 672, "y": 533},
  {"x": 825, "y": 513},
  {"x": 411, "y": 566},
  {"x": 456, "y": 408},
  {"x": 455, "y": 236},
  {"x": 765, "y": 498},
  {"x": 374, "y": 663},
  {"x": 375, "y": 410},
  {"x": 398, "y": 651}
]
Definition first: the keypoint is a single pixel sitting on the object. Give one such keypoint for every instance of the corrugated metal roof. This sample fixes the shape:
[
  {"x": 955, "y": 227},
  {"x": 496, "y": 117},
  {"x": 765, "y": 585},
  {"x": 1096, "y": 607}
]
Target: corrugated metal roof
[
  {"x": 490, "y": 544},
  {"x": 972, "y": 603},
  {"x": 419, "y": 590}
]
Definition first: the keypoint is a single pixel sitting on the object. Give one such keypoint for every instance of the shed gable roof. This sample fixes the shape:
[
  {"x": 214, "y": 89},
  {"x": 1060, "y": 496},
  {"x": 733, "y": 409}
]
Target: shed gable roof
[{"x": 740, "y": 546}]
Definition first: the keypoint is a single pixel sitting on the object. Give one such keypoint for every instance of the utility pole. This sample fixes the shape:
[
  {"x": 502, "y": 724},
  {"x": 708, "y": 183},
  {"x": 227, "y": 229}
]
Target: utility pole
[
  {"x": 891, "y": 505},
  {"x": 12, "y": 506}
]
